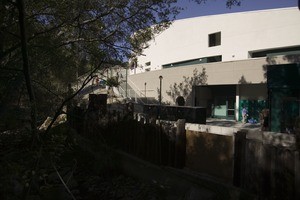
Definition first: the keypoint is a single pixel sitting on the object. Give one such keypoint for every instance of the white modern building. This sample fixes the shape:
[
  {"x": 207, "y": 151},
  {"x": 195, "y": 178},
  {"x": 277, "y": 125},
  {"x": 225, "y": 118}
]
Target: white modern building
[{"x": 234, "y": 49}]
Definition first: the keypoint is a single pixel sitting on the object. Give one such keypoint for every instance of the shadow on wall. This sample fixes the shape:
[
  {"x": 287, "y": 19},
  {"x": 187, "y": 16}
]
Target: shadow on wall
[
  {"x": 294, "y": 58},
  {"x": 244, "y": 81},
  {"x": 185, "y": 87},
  {"x": 261, "y": 176},
  {"x": 283, "y": 84},
  {"x": 214, "y": 150}
]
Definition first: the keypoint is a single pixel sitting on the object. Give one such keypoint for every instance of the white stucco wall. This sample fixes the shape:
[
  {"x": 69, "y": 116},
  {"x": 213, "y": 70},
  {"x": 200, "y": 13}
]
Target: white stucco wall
[{"x": 241, "y": 33}]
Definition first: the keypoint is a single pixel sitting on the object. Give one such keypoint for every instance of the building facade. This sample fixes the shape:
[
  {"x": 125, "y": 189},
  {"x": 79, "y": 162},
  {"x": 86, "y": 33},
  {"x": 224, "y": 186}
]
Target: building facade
[{"x": 232, "y": 51}]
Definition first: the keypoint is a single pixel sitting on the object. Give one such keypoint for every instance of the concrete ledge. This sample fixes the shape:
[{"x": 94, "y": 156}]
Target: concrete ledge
[
  {"x": 273, "y": 138},
  {"x": 219, "y": 130},
  {"x": 279, "y": 139}
]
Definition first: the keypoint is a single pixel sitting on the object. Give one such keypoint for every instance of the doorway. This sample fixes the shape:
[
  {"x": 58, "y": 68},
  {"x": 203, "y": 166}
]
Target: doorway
[
  {"x": 218, "y": 99},
  {"x": 224, "y": 107}
]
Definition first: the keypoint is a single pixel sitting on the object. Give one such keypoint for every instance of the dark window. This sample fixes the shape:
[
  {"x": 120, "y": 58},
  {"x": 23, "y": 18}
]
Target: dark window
[
  {"x": 214, "y": 39},
  {"x": 148, "y": 63},
  {"x": 214, "y": 59},
  {"x": 279, "y": 51}
]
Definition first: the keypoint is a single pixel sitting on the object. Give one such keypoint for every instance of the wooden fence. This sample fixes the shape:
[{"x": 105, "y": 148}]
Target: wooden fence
[
  {"x": 161, "y": 144},
  {"x": 267, "y": 166}
]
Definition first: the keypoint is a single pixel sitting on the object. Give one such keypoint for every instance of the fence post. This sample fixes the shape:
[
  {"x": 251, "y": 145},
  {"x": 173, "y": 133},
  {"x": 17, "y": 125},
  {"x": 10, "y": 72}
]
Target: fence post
[
  {"x": 297, "y": 164},
  {"x": 297, "y": 175},
  {"x": 180, "y": 144},
  {"x": 239, "y": 158}
]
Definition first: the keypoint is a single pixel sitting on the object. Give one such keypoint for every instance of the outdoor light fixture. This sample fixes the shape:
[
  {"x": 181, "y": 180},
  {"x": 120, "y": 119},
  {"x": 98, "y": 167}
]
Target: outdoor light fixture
[
  {"x": 160, "y": 83},
  {"x": 145, "y": 91},
  {"x": 159, "y": 107}
]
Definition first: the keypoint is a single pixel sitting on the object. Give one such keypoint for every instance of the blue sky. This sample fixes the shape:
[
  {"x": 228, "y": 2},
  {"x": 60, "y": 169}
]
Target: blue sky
[{"x": 212, "y": 7}]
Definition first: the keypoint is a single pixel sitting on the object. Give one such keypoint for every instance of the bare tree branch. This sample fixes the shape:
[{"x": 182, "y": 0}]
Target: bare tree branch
[
  {"x": 85, "y": 82},
  {"x": 26, "y": 68},
  {"x": 47, "y": 89}
]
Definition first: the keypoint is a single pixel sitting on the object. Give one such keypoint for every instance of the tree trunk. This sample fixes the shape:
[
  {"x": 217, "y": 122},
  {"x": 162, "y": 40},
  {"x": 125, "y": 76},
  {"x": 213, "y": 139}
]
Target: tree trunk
[{"x": 26, "y": 68}]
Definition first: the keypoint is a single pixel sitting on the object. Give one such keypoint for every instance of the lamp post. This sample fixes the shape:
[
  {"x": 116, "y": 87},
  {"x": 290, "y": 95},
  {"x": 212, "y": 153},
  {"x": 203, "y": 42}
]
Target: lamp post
[
  {"x": 145, "y": 91},
  {"x": 160, "y": 83},
  {"x": 159, "y": 107},
  {"x": 159, "y": 113}
]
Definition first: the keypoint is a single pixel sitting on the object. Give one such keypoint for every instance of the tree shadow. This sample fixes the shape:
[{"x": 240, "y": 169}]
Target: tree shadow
[
  {"x": 293, "y": 58},
  {"x": 243, "y": 80},
  {"x": 185, "y": 87}
]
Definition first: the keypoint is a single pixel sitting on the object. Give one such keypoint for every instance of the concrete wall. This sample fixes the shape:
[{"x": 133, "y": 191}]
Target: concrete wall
[
  {"x": 251, "y": 71},
  {"x": 210, "y": 150},
  {"x": 241, "y": 72},
  {"x": 253, "y": 92},
  {"x": 241, "y": 33},
  {"x": 210, "y": 154},
  {"x": 264, "y": 163}
]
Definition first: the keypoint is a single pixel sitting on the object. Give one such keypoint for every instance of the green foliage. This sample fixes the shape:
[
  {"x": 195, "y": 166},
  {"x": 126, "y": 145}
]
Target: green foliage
[
  {"x": 63, "y": 46},
  {"x": 65, "y": 39},
  {"x": 88, "y": 168},
  {"x": 29, "y": 172},
  {"x": 112, "y": 82},
  {"x": 229, "y": 3}
]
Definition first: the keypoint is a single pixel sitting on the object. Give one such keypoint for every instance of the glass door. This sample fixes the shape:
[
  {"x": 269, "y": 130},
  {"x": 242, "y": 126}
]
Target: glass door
[
  {"x": 220, "y": 107},
  {"x": 224, "y": 107},
  {"x": 230, "y": 107}
]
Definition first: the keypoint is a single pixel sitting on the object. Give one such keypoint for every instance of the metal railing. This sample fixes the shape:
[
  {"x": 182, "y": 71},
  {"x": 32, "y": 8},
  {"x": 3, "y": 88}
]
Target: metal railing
[{"x": 137, "y": 94}]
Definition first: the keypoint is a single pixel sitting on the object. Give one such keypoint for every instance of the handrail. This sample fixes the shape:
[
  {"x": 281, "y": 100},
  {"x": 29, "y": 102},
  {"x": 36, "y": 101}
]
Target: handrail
[
  {"x": 137, "y": 88},
  {"x": 141, "y": 94},
  {"x": 123, "y": 91}
]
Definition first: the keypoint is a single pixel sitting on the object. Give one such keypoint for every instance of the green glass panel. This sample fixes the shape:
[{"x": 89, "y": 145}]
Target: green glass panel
[
  {"x": 220, "y": 110},
  {"x": 254, "y": 107}
]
